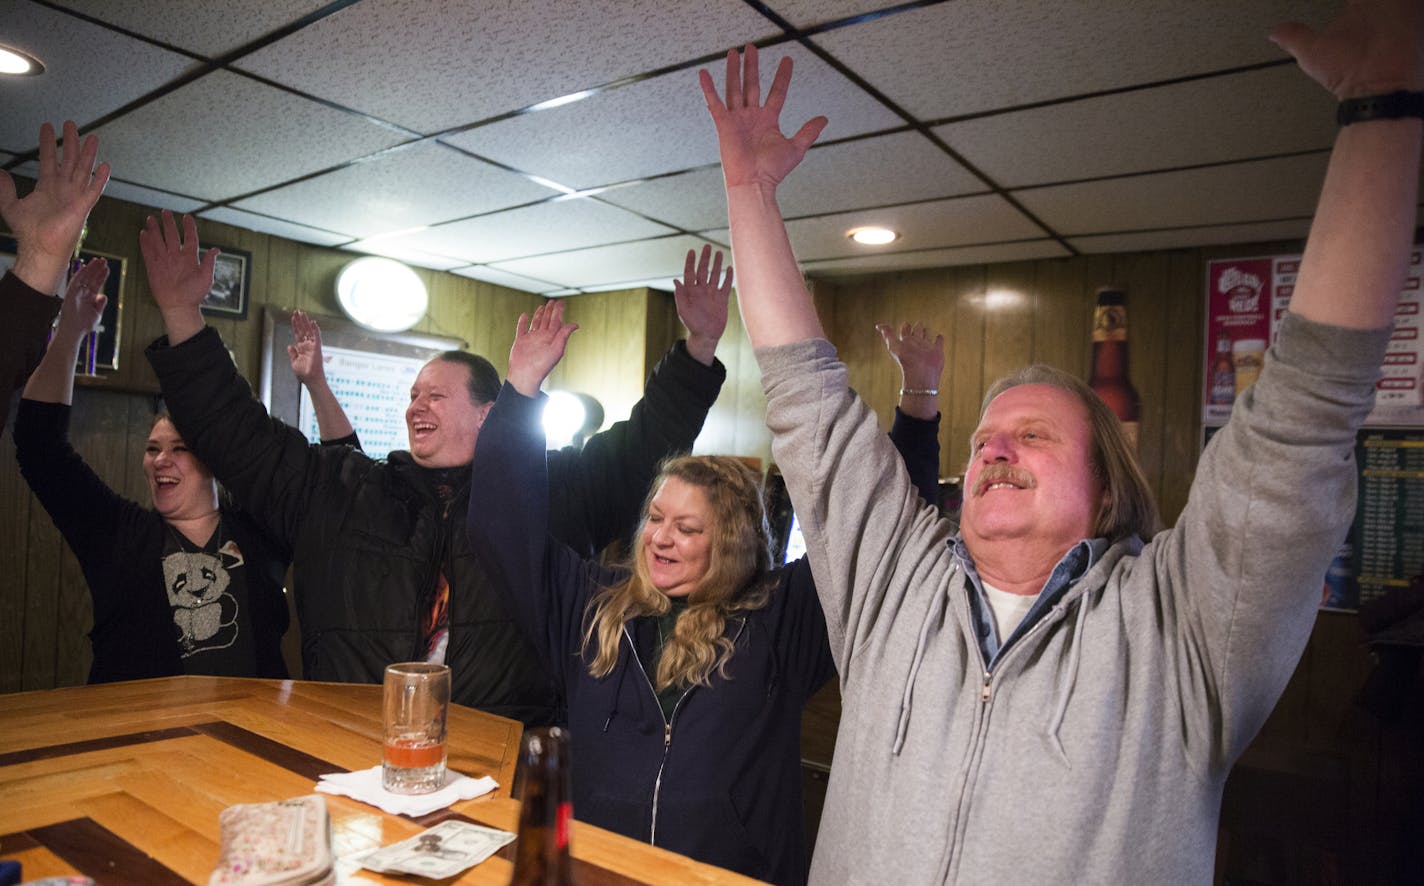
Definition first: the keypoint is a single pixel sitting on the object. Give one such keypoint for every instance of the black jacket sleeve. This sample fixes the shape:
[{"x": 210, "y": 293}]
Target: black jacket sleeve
[
  {"x": 25, "y": 318},
  {"x": 596, "y": 494},
  {"x": 917, "y": 441},
  {"x": 85, "y": 510}
]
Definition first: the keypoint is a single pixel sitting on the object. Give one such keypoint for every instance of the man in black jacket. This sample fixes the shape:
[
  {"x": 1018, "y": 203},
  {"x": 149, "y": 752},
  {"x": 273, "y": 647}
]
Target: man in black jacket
[{"x": 383, "y": 570}]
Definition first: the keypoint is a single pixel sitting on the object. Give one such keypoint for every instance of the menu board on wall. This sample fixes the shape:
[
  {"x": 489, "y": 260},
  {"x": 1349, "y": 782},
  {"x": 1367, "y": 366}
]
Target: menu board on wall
[
  {"x": 1246, "y": 298},
  {"x": 1386, "y": 543},
  {"x": 369, "y": 372}
]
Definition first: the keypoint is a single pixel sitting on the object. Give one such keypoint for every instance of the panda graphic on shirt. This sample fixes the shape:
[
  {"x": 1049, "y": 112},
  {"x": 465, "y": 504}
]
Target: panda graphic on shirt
[{"x": 204, "y": 613}]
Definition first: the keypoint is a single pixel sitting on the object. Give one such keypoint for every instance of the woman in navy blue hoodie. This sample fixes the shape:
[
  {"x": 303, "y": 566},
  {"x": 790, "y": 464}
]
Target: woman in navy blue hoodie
[{"x": 684, "y": 672}]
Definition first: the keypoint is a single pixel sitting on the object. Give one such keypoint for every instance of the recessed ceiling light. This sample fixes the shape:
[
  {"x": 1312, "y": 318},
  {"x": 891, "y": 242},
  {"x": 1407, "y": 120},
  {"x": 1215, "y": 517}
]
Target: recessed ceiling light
[
  {"x": 19, "y": 64},
  {"x": 872, "y": 236}
]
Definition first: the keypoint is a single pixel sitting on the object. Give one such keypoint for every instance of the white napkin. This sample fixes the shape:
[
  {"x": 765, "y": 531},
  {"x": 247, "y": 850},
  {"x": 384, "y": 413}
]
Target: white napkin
[{"x": 365, "y": 785}]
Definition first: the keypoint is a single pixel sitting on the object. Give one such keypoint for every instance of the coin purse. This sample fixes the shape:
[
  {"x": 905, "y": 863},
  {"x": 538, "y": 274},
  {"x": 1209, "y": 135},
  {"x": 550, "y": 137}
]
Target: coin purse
[{"x": 285, "y": 843}]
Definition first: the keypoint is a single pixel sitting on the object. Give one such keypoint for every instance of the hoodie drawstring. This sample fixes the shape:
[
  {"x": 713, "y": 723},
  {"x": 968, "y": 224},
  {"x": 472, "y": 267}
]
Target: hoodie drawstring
[
  {"x": 936, "y": 609},
  {"x": 1067, "y": 682}
]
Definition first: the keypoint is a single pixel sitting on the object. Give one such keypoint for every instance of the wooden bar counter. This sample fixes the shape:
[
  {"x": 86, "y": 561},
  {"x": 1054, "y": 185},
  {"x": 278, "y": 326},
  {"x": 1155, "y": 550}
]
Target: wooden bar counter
[{"x": 123, "y": 782}]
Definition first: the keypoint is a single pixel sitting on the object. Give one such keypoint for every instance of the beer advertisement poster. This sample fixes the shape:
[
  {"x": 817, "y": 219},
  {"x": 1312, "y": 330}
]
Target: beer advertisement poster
[{"x": 1246, "y": 299}]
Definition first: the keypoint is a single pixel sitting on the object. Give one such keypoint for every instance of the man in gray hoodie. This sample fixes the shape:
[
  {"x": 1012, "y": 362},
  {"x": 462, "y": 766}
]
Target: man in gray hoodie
[{"x": 1087, "y": 741}]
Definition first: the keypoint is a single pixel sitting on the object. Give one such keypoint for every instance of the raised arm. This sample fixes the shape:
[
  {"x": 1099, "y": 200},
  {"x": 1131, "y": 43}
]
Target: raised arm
[
  {"x": 597, "y": 492},
  {"x": 83, "y": 307},
  {"x": 702, "y": 303},
  {"x": 306, "y": 361},
  {"x": 46, "y": 224},
  {"x": 915, "y": 432},
  {"x": 775, "y": 304},
  {"x": 47, "y": 221},
  {"x": 178, "y": 275},
  {"x": 1356, "y": 256}
]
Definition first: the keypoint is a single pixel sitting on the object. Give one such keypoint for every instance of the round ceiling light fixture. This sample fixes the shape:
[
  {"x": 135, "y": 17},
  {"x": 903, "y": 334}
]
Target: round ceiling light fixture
[
  {"x": 17, "y": 63},
  {"x": 871, "y": 236},
  {"x": 381, "y": 294}
]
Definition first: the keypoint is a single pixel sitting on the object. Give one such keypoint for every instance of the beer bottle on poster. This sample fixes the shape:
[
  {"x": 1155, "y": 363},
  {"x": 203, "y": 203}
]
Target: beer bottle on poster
[
  {"x": 1222, "y": 390},
  {"x": 1109, "y": 379},
  {"x": 546, "y": 811}
]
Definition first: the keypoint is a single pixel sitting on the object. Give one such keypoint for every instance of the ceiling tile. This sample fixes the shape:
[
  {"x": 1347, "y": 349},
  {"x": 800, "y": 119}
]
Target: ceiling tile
[
  {"x": 209, "y": 29},
  {"x": 983, "y": 54},
  {"x": 658, "y": 125},
  {"x": 423, "y": 184},
  {"x": 225, "y": 135},
  {"x": 1258, "y": 113},
  {"x": 936, "y": 258},
  {"x": 150, "y": 197},
  {"x": 435, "y": 64},
  {"x": 959, "y": 222},
  {"x": 555, "y": 226},
  {"x": 405, "y": 253},
  {"x": 506, "y": 279},
  {"x": 691, "y": 200},
  {"x": 605, "y": 265},
  {"x": 89, "y": 71},
  {"x": 1178, "y": 238},
  {"x": 276, "y": 227},
  {"x": 805, "y": 13},
  {"x": 1256, "y": 191}
]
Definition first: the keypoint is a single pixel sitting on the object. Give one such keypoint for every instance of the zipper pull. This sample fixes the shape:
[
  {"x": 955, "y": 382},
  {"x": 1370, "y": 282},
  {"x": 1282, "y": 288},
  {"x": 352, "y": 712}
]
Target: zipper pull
[
  {"x": 984, "y": 695},
  {"x": 667, "y": 735}
]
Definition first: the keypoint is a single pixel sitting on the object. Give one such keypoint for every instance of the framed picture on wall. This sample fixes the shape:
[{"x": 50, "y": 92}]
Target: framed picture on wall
[
  {"x": 232, "y": 281},
  {"x": 102, "y": 350}
]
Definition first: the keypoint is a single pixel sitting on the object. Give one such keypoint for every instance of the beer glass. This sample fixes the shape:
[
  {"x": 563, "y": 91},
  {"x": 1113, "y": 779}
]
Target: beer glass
[{"x": 417, "y": 698}]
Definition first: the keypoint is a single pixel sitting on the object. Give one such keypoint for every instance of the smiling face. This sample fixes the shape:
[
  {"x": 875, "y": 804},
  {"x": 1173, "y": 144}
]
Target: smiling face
[
  {"x": 1030, "y": 476},
  {"x": 443, "y": 420},
  {"x": 677, "y": 537},
  {"x": 181, "y": 486}
]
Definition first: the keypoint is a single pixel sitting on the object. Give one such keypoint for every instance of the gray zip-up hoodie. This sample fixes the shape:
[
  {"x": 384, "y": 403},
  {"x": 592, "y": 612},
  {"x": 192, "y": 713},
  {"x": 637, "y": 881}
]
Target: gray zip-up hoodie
[{"x": 1097, "y": 749}]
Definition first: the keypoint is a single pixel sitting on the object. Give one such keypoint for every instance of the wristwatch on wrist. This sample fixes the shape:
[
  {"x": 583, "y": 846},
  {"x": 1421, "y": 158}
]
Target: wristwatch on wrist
[{"x": 1390, "y": 106}]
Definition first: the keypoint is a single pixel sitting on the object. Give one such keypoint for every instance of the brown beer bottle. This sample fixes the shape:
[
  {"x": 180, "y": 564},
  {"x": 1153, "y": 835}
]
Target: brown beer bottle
[
  {"x": 1109, "y": 379},
  {"x": 541, "y": 853}
]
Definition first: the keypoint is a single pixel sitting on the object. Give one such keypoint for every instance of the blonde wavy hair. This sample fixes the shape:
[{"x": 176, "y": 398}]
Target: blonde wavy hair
[{"x": 739, "y": 562}]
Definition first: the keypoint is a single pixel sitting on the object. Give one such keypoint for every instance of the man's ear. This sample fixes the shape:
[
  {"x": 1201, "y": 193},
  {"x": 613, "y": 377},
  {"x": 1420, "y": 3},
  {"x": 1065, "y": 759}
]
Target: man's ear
[{"x": 482, "y": 412}]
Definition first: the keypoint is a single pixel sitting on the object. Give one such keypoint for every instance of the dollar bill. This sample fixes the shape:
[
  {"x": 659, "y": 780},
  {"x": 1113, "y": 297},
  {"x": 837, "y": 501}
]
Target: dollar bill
[{"x": 442, "y": 851}]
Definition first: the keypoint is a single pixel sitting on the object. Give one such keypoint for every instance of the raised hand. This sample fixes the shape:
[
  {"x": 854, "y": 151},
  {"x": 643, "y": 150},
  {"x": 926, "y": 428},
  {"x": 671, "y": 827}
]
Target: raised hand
[
  {"x": 538, "y": 347},
  {"x": 1372, "y": 47},
  {"x": 179, "y": 278},
  {"x": 84, "y": 301},
  {"x": 702, "y": 302},
  {"x": 47, "y": 222},
  {"x": 754, "y": 152},
  {"x": 921, "y": 362},
  {"x": 305, "y": 354}
]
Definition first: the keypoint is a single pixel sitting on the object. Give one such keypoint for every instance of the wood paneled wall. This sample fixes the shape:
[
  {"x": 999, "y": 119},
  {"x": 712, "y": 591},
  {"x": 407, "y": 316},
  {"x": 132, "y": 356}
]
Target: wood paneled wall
[{"x": 997, "y": 318}]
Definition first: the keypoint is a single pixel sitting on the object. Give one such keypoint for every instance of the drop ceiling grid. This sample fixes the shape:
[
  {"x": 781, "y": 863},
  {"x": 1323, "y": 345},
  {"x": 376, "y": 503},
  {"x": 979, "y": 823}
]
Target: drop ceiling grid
[
  {"x": 90, "y": 71},
  {"x": 208, "y": 29},
  {"x": 1031, "y": 250},
  {"x": 958, "y": 222},
  {"x": 276, "y": 227},
  {"x": 1241, "y": 116},
  {"x": 659, "y": 125},
  {"x": 988, "y": 54},
  {"x": 1177, "y": 238},
  {"x": 504, "y": 278},
  {"x": 605, "y": 265},
  {"x": 423, "y": 184},
  {"x": 436, "y": 64},
  {"x": 224, "y": 135},
  {"x": 532, "y": 230},
  {"x": 1258, "y": 191}
]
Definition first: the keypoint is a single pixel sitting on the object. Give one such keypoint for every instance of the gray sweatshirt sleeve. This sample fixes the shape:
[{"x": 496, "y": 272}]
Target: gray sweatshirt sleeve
[
  {"x": 859, "y": 511},
  {"x": 1240, "y": 575}
]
